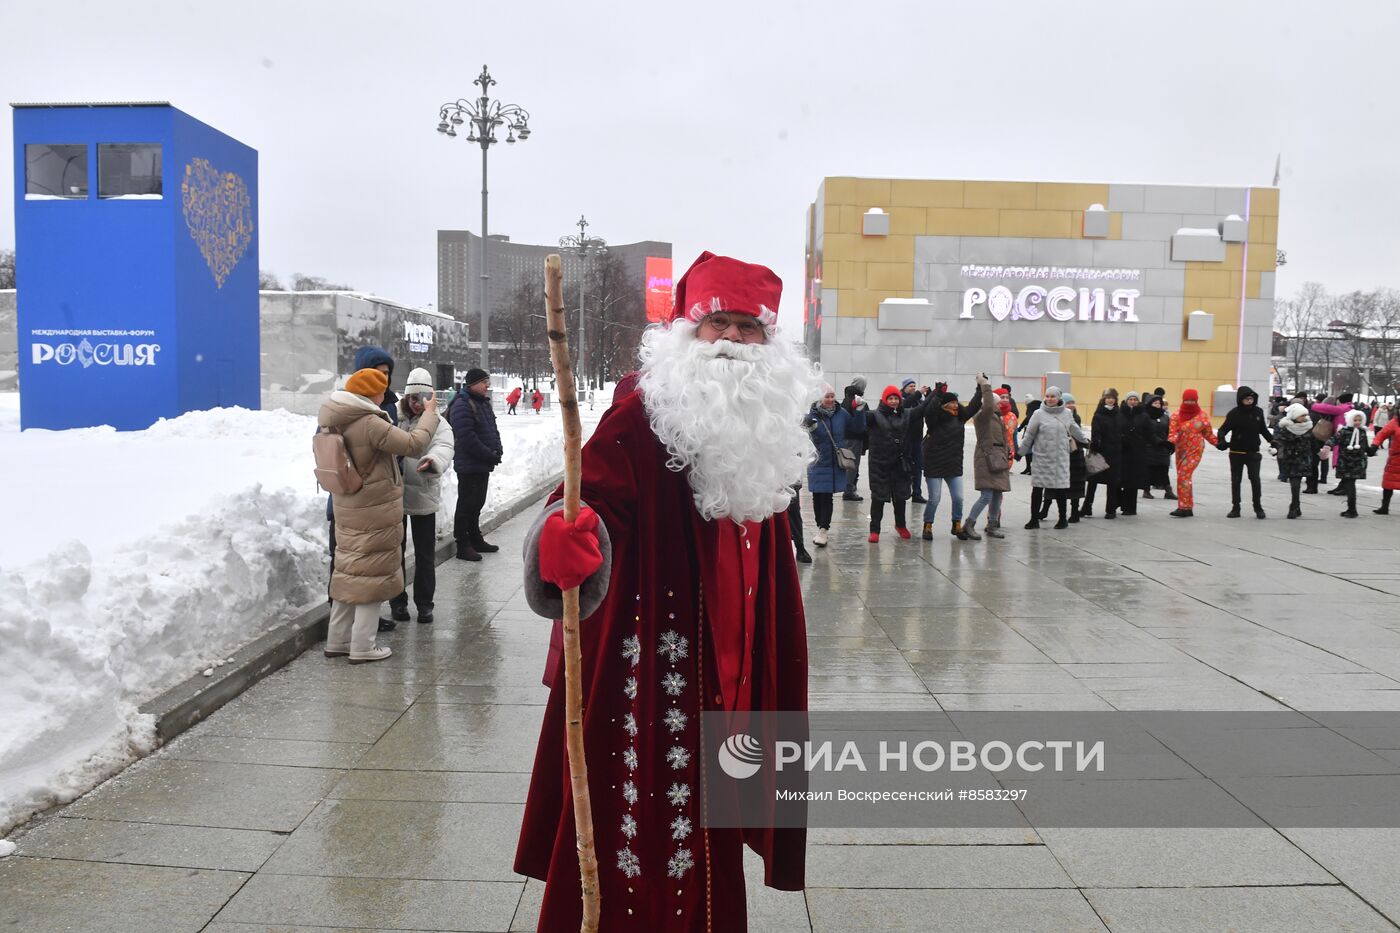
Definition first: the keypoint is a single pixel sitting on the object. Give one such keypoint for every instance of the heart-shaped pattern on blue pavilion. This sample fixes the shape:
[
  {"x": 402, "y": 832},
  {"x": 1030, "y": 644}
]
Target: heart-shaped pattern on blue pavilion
[{"x": 219, "y": 215}]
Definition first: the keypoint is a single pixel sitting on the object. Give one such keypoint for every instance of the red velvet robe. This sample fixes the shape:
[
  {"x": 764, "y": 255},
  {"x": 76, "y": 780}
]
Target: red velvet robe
[{"x": 644, "y": 687}]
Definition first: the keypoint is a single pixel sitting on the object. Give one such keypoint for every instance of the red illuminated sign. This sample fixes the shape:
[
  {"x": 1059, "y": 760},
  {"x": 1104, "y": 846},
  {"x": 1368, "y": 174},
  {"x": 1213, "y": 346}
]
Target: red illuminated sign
[{"x": 658, "y": 288}]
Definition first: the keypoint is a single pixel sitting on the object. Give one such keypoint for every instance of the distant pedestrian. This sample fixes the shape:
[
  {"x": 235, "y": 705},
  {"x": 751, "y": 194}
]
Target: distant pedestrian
[
  {"x": 422, "y": 490},
  {"x": 513, "y": 399},
  {"x": 828, "y": 424},
  {"x": 1048, "y": 437},
  {"x": 369, "y": 557},
  {"x": 1294, "y": 445},
  {"x": 1390, "y": 480},
  {"x": 891, "y": 471},
  {"x": 1032, "y": 403},
  {"x": 477, "y": 451},
  {"x": 1382, "y": 417},
  {"x": 991, "y": 461},
  {"x": 1159, "y": 449},
  {"x": 1189, "y": 431},
  {"x": 1106, "y": 439},
  {"x": 853, "y": 401},
  {"x": 537, "y": 401},
  {"x": 1352, "y": 448},
  {"x": 1243, "y": 429},
  {"x": 1078, "y": 472},
  {"x": 794, "y": 516},
  {"x": 1133, "y": 471},
  {"x": 913, "y": 406},
  {"x": 372, "y": 358},
  {"x": 945, "y": 418}
]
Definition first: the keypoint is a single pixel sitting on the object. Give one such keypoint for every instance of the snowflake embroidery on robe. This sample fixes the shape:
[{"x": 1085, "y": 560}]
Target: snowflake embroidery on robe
[
  {"x": 629, "y": 792},
  {"x": 673, "y": 683},
  {"x": 630, "y": 688},
  {"x": 675, "y": 720},
  {"x": 679, "y": 794},
  {"x": 629, "y": 758},
  {"x": 680, "y": 863},
  {"x": 678, "y": 757},
  {"x": 629, "y": 826},
  {"x": 632, "y": 649},
  {"x": 673, "y": 645},
  {"x": 629, "y": 724},
  {"x": 629, "y": 863},
  {"x": 680, "y": 827}
]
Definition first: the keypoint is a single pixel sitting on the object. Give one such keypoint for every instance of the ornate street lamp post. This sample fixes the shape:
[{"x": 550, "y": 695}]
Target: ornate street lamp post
[
  {"x": 584, "y": 246},
  {"x": 484, "y": 117}
]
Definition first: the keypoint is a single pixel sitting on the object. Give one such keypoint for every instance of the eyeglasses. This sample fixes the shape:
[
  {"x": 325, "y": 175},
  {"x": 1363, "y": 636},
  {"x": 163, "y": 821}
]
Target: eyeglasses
[{"x": 721, "y": 322}]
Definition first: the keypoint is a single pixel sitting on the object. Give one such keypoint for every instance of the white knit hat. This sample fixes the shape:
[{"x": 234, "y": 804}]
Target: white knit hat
[{"x": 419, "y": 383}]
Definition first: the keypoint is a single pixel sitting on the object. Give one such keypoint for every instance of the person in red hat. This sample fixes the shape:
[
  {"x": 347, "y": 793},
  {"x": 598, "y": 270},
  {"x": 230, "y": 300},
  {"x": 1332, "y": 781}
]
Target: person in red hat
[
  {"x": 1189, "y": 430},
  {"x": 690, "y": 603}
]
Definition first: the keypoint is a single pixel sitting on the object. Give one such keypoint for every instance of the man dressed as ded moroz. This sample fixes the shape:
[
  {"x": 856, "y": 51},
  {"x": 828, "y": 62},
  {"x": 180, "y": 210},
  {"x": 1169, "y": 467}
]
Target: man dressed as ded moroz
[{"x": 690, "y": 602}]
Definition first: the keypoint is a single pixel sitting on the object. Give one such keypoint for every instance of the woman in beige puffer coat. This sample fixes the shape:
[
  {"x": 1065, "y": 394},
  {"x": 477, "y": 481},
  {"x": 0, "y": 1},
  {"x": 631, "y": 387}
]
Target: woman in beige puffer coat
[{"x": 368, "y": 523}]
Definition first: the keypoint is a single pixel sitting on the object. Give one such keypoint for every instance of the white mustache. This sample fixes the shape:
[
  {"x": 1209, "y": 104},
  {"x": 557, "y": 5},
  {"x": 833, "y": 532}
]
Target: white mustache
[{"x": 729, "y": 350}]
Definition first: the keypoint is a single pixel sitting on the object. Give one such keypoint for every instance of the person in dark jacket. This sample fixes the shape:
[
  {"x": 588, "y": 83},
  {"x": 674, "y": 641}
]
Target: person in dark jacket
[
  {"x": 1352, "y": 446},
  {"x": 856, "y": 438},
  {"x": 477, "y": 450},
  {"x": 1133, "y": 469},
  {"x": 1106, "y": 438},
  {"x": 828, "y": 424},
  {"x": 1240, "y": 434},
  {"x": 1031, "y": 405},
  {"x": 891, "y": 470},
  {"x": 1320, "y": 463},
  {"x": 913, "y": 405},
  {"x": 376, "y": 358},
  {"x": 1158, "y": 451},
  {"x": 1293, "y": 440},
  {"x": 945, "y": 418}
]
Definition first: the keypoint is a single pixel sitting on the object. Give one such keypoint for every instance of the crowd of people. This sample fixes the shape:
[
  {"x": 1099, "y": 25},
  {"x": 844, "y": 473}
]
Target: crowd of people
[
  {"x": 401, "y": 448},
  {"x": 914, "y": 440}
]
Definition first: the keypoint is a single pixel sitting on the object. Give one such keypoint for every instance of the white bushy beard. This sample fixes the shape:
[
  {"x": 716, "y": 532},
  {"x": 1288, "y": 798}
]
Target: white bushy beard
[{"x": 731, "y": 414}]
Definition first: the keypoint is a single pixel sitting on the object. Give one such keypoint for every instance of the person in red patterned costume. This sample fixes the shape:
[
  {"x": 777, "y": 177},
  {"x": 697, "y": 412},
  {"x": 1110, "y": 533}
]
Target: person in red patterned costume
[{"x": 690, "y": 602}]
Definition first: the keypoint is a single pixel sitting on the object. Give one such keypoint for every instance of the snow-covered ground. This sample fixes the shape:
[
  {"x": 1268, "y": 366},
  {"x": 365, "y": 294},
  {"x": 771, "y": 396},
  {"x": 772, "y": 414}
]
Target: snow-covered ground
[{"x": 133, "y": 560}]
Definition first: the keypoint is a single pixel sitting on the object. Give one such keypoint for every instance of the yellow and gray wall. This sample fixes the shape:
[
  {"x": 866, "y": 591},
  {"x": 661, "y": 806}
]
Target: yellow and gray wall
[{"x": 886, "y": 283}]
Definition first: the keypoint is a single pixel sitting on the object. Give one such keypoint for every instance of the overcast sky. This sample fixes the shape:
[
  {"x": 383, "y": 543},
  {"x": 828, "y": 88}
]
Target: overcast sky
[{"x": 711, "y": 125}]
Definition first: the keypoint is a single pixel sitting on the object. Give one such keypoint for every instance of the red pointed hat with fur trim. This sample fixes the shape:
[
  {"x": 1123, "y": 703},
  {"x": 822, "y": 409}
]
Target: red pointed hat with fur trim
[{"x": 719, "y": 283}]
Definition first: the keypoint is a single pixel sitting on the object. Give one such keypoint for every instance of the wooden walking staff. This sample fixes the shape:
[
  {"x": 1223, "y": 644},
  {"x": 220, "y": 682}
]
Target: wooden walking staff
[{"x": 573, "y": 656}]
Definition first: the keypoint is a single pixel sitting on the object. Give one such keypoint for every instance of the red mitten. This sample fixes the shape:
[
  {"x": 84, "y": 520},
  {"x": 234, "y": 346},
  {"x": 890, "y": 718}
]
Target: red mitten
[{"x": 569, "y": 551}]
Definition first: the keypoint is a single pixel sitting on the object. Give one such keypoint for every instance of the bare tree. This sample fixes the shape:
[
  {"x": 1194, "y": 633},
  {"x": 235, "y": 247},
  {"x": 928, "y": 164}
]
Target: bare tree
[
  {"x": 1302, "y": 319},
  {"x": 268, "y": 281},
  {"x": 518, "y": 322},
  {"x": 314, "y": 283},
  {"x": 616, "y": 319},
  {"x": 7, "y": 268},
  {"x": 1352, "y": 319},
  {"x": 1385, "y": 349}
]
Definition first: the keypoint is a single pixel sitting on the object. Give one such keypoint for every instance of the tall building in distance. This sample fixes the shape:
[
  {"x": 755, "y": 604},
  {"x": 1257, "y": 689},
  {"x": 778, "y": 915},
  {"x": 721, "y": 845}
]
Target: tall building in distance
[{"x": 648, "y": 263}]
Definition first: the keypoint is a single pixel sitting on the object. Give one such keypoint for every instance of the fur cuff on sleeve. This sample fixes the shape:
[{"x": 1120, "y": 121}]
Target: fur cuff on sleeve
[{"x": 544, "y": 597}]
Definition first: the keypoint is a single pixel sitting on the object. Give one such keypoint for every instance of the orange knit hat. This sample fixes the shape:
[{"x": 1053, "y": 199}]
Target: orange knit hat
[{"x": 367, "y": 382}]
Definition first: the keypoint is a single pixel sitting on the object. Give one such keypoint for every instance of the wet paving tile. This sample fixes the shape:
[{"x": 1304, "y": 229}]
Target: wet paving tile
[
  {"x": 375, "y": 903},
  {"x": 844, "y": 910},
  {"x": 209, "y": 793},
  {"x": 205, "y": 847},
  {"x": 96, "y": 897},
  {"x": 1264, "y": 909},
  {"x": 369, "y": 839}
]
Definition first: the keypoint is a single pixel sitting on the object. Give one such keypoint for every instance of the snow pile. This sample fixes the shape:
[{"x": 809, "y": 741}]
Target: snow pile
[{"x": 134, "y": 560}]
